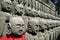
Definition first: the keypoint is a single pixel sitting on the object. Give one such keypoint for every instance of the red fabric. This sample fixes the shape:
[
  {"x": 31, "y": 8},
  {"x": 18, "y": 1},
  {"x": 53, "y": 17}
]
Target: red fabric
[{"x": 12, "y": 37}]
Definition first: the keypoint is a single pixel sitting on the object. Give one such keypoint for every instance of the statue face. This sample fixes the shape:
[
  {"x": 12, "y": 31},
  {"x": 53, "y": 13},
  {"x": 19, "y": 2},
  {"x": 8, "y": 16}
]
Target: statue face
[
  {"x": 34, "y": 12},
  {"x": 33, "y": 25},
  {"x": 17, "y": 26},
  {"x": 19, "y": 8},
  {"x": 28, "y": 10},
  {"x": 7, "y": 4}
]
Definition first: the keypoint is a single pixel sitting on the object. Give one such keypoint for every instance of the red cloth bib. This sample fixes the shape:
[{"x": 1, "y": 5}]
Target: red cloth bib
[{"x": 12, "y": 37}]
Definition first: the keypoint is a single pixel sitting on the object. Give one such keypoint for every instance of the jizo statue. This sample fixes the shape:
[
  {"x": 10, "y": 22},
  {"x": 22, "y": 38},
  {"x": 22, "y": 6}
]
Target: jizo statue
[
  {"x": 19, "y": 8},
  {"x": 28, "y": 11},
  {"x": 33, "y": 24},
  {"x": 33, "y": 28},
  {"x": 38, "y": 9},
  {"x": 51, "y": 34},
  {"x": 16, "y": 25},
  {"x": 51, "y": 30},
  {"x": 34, "y": 13},
  {"x": 54, "y": 33},
  {"x": 6, "y": 5},
  {"x": 40, "y": 35},
  {"x": 44, "y": 30},
  {"x": 17, "y": 28}
]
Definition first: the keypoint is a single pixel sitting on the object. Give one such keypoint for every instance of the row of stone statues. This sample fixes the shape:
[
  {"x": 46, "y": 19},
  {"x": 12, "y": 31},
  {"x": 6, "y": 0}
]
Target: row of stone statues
[
  {"x": 24, "y": 17},
  {"x": 14, "y": 7},
  {"x": 35, "y": 30}
]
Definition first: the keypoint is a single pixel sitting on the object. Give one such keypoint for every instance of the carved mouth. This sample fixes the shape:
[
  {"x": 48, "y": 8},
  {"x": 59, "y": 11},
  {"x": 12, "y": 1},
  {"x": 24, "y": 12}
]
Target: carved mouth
[{"x": 20, "y": 31}]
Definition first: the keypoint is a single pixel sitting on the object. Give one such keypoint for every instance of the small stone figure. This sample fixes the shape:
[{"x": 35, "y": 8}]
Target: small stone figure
[
  {"x": 33, "y": 28},
  {"x": 17, "y": 28},
  {"x": 39, "y": 33},
  {"x": 44, "y": 30},
  {"x": 45, "y": 33},
  {"x": 20, "y": 9},
  {"x": 6, "y": 5},
  {"x": 28, "y": 11},
  {"x": 34, "y": 13}
]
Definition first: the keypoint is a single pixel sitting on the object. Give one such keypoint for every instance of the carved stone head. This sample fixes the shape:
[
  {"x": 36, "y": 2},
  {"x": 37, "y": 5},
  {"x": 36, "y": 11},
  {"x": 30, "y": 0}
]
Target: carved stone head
[
  {"x": 28, "y": 11},
  {"x": 17, "y": 25},
  {"x": 7, "y": 5},
  {"x": 19, "y": 8},
  {"x": 43, "y": 24},
  {"x": 34, "y": 12},
  {"x": 33, "y": 25}
]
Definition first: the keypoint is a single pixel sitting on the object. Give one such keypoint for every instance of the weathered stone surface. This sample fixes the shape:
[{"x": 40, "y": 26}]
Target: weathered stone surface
[
  {"x": 2, "y": 25},
  {"x": 20, "y": 9},
  {"x": 40, "y": 36},
  {"x": 3, "y": 17}
]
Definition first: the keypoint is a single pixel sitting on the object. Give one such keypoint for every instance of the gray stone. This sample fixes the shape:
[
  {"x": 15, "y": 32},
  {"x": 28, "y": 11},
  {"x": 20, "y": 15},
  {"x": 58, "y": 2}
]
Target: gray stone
[
  {"x": 33, "y": 27},
  {"x": 19, "y": 8},
  {"x": 2, "y": 25}
]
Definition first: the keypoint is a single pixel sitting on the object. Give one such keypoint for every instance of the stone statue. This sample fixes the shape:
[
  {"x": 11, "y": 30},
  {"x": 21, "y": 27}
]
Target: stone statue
[
  {"x": 19, "y": 8},
  {"x": 2, "y": 25},
  {"x": 40, "y": 34},
  {"x": 45, "y": 31},
  {"x": 51, "y": 31},
  {"x": 33, "y": 28},
  {"x": 51, "y": 34},
  {"x": 57, "y": 31},
  {"x": 34, "y": 13},
  {"x": 48, "y": 32},
  {"x": 6, "y": 5},
  {"x": 54, "y": 34},
  {"x": 16, "y": 25},
  {"x": 28, "y": 11},
  {"x": 5, "y": 13},
  {"x": 17, "y": 29}
]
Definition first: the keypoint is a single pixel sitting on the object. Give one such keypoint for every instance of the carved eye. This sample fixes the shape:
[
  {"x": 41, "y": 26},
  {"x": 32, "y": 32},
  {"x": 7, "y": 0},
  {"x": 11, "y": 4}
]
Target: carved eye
[
  {"x": 37, "y": 25},
  {"x": 29, "y": 10},
  {"x": 21, "y": 8}
]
